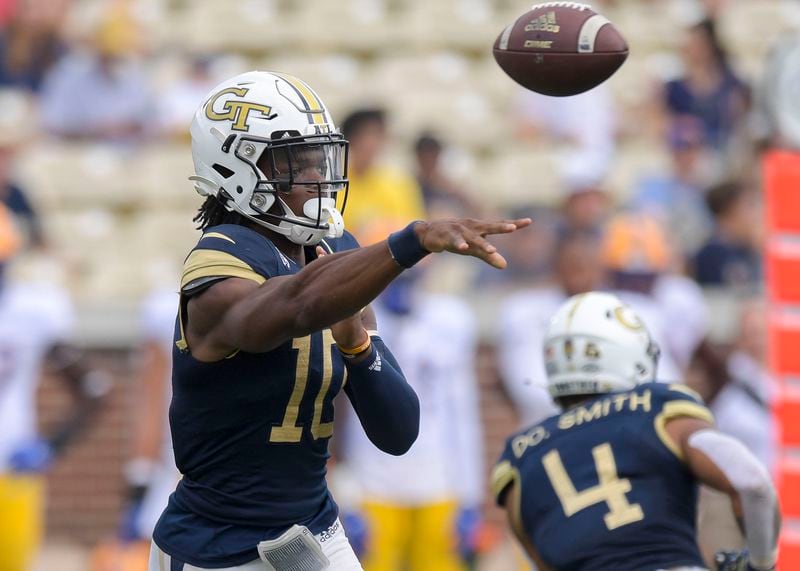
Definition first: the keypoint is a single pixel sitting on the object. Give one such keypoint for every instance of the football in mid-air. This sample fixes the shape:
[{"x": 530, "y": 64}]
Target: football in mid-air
[{"x": 560, "y": 48}]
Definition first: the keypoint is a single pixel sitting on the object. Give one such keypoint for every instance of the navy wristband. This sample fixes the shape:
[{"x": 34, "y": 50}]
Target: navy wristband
[{"x": 405, "y": 247}]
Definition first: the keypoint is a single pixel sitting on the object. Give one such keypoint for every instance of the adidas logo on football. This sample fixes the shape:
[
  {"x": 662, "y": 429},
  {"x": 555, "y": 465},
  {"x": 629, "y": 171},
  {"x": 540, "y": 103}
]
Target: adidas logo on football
[
  {"x": 544, "y": 23},
  {"x": 376, "y": 364}
]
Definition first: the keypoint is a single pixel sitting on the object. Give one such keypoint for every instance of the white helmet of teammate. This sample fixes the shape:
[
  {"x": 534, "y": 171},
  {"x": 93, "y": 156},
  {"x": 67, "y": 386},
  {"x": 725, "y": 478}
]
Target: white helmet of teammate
[
  {"x": 597, "y": 344},
  {"x": 265, "y": 121}
]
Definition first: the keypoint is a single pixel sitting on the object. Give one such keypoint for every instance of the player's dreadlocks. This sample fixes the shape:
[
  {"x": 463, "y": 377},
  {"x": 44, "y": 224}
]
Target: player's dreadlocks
[{"x": 212, "y": 213}]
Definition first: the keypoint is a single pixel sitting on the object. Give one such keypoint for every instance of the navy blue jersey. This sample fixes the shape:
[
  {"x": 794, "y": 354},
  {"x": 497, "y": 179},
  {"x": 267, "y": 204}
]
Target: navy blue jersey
[
  {"x": 602, "y": 486},
  {"x": 251, "y": 431}
]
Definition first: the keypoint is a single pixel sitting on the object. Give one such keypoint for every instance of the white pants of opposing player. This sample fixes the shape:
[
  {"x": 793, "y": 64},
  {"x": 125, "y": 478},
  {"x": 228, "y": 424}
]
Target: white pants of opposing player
[{"x": 336, "y": 548}]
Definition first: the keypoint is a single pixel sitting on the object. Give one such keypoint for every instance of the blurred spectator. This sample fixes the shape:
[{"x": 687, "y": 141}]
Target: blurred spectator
[
  {"x": 100, "y": 92},
  {"x": 731, "y": 258},
  {"x": 30, "y": 43},
  {"x": 586, "y": 122},
  {"x": 524, "y": 317},
  {"x": 742, "y": 409},
  {"x": 15, "y": 131},
  {"x": 743, "y": 406},
  {"x": 35, "y": 323},
  {"x": 179, "y": 102},
  {"x": 586, "y": 204},
  {"x": 379, "y": 196},
  {"x": 150, "y": 474},
  {"x": 422, "y": 509},
  {"x": 676, "y": 197},
  {"x": 777, "y": 116},
  {"x": 709, "y": 89},
  {"x": 435, "y": 185},
  {"x": 639, "y": 262}
]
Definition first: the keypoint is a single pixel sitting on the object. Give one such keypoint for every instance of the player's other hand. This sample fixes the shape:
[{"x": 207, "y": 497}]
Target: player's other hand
[
  {"x": 355, "y": 526},
  {"x": 467, "y": 237},
  {"x": 735, "y": 561},
  {"x": 468, "y": 525},
  {"x": 32, "y": 457}
]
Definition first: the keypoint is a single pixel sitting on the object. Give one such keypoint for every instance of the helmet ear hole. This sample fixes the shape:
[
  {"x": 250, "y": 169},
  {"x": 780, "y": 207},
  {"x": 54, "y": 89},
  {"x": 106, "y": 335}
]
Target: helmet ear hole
[{"x": 224, "y": 171}]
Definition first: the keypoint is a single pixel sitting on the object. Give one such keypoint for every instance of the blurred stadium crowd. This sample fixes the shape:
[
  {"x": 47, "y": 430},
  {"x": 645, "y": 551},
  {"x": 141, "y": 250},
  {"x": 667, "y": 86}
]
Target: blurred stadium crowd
[{"x": 648, "y": 185}]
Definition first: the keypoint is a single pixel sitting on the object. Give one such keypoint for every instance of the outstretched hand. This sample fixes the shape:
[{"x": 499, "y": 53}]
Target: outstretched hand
[{"x": 467, "y": 237}]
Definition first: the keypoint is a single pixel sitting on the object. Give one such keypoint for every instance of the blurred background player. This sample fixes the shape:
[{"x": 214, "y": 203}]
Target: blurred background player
[
  {"x": 578, "y": 268},
  {"x": 422, "y": 509},
  {"x": 634, "y": 505},
  {"x": 151, "y": 473},
  {"x": 742, "y": 409},
  {"x": 378, "y": 192},
  {"x": 35, "y": 325}
]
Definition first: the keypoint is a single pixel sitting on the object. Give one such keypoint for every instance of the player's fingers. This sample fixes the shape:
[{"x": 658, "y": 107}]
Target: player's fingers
[
  {"x": 482, "y": 243},
  {"x": 497, "y": 260},
  {"x": 321, "y": 251},
  {"x": 499, "y": 227},
  {"x": 466, "y": 241},
  {"x": 494, "y": 259},
  {"x": 522, "y": 222},
  {"x": 458, "y": 241},
  {"x": 481, "y": 248}
]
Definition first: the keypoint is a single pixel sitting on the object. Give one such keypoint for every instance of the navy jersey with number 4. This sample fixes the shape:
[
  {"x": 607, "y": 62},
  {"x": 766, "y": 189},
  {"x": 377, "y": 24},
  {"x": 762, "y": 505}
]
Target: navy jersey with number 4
[
  {"x": 602, "y": 486},
  {"x": 251, "y": 431}
]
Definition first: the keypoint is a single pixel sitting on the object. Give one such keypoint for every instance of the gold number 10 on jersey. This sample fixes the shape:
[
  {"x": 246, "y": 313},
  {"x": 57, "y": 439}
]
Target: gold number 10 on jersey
[
  {"x": 610, "y": 489},
  {"x": 288, "y": 431}
]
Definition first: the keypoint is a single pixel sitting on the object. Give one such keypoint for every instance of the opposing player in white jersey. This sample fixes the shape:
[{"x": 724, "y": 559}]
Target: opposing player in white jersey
[
  {"x": 35, "y": 322},
  {"x": 580, "y": 268},
  {"x": 151, "y": 473},
  {"x": 422, "y": 506},
  {"x": 524, "y": 317}
]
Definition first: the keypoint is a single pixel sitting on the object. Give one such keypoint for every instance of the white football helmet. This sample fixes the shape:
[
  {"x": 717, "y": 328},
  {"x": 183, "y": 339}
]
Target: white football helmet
[
  {"x": 597, "y": 344},
  {"x": 266, "y": 121}
]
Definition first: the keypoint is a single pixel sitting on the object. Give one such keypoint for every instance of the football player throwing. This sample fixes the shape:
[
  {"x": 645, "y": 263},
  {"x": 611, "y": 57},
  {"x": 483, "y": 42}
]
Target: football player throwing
[{"x": 274, "y": 321}]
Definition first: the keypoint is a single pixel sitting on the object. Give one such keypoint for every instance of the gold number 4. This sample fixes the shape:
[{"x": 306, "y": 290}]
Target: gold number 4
[
  {"x": 610, "y": 489},
  {"x": 288, "y": 431}
]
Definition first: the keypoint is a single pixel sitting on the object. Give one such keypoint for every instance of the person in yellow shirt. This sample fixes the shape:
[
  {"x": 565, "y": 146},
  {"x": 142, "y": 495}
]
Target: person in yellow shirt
[
  {"x": 380, "y": 196},
  {"x": 36, "y": 322}
]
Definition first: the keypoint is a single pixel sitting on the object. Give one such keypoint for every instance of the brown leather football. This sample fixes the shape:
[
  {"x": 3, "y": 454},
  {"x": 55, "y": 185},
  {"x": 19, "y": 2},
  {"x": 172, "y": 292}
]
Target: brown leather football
[{"x": 560, "y": 48}]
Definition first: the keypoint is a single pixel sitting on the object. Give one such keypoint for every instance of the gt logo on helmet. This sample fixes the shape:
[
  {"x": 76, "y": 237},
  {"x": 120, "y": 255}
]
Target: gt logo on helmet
[
  {"x": 628, "y": 318},
  {"x": 236, "y": 111}
]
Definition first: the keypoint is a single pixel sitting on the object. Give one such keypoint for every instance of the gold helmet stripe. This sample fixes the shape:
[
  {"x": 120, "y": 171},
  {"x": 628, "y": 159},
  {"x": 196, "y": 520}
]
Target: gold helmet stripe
[{"x": 311, "y": 102}]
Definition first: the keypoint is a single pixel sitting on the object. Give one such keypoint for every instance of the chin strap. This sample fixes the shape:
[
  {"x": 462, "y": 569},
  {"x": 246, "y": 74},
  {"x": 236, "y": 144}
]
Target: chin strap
[
  {"x": 297, "y": 229},
  {"x": 335, "y": 224}
]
